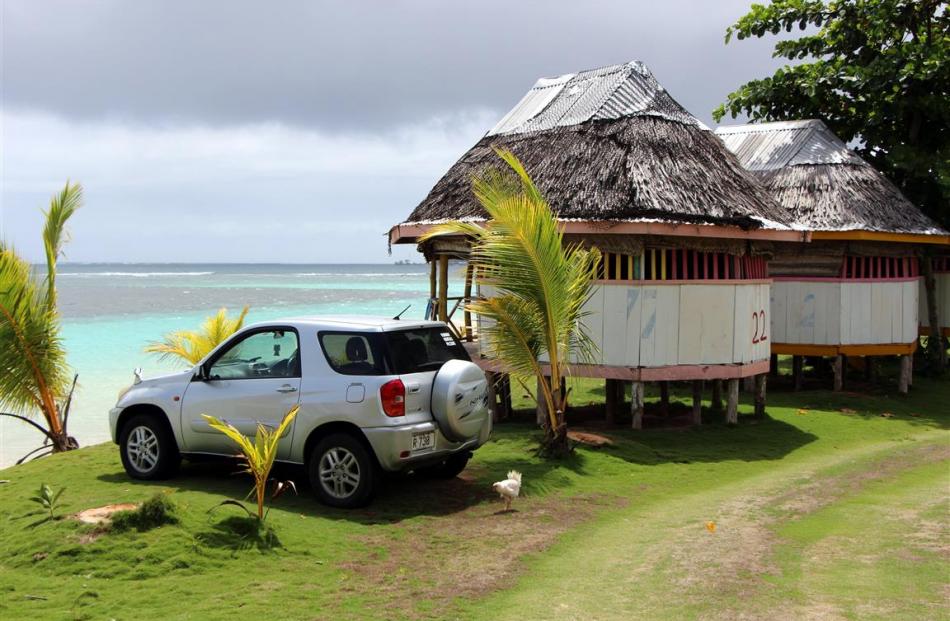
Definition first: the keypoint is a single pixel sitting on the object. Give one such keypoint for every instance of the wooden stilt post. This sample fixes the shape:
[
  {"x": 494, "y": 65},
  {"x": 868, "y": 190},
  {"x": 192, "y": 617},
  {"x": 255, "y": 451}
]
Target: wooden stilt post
[
  {"x": 760, "y": 395},
  {"x": 506, "y": 396},
  {"x": 443, "y": 287},
  {"x": 493, "y": 396},
  {"x": 748, "y": 384},
  {"x": 697, "y": 402},
  {"x": 610, "y": 401},
  {"x": 797, "y": 370},
  {"x": 910, "y": 373},
  {"x": 869, "y": 368},
  {"x": 636, "y": 404},
  {"x": 837, "y": 369},
  {"x": 716, "y": 401},
  {"x": 903, "y": 382},
  {"x": 665, "y": 398},
  {"x": 732, "y": 405},
  {"x": 773, "y": 365},
  {"x": 432, "y": 276},
  {"x": 469, "y": 273}
]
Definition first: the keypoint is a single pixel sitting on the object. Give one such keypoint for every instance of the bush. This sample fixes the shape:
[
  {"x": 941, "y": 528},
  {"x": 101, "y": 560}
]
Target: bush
[{"x": 154, "y": 512}]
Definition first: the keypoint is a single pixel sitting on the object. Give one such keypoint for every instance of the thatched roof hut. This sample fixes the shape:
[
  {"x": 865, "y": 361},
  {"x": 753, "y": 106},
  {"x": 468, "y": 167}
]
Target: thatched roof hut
[
  {"x": 609, "y": 145},
  {"x": 822, "y": 183}
]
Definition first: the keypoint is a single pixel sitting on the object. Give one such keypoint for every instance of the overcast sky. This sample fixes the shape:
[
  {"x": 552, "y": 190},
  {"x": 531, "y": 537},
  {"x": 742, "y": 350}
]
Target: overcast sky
[{"x": 298, "y": 131}]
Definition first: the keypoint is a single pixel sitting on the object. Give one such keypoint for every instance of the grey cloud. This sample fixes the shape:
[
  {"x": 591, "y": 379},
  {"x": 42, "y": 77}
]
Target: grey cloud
[{"x": 349, "y": 66}]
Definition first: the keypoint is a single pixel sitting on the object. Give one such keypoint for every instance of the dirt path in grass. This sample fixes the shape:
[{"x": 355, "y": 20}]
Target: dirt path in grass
[
  {"x": 467, "y": 554},
  {"x": 664, "y": 563}
]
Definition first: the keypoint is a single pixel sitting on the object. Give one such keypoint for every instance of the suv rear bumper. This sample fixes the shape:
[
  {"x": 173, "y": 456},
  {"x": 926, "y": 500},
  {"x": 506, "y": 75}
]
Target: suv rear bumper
[{"x": 392, "y": 445}]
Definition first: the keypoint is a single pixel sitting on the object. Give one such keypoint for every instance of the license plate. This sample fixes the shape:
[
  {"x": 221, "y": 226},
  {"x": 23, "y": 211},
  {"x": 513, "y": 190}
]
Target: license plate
[{"x": 423, "y": 442}]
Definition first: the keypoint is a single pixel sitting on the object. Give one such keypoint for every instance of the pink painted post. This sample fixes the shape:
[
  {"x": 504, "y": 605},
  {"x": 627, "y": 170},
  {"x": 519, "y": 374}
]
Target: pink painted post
[
  {"x": 716, "y": 266},
  {"x": 705, "y": 265},
  {"x": 860, "y": 267},
  {"x": 673, "y": 275},
  {"x": 695, "y": 265}
]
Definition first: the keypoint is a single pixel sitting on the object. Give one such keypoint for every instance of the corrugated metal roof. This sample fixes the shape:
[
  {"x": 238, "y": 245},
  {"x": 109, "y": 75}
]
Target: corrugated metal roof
[
  {"x": 612, "y": 92},
  {"x": 772, "y": 146}
]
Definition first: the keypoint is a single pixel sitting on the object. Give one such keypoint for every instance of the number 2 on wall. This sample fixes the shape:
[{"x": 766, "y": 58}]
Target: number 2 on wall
[{"x": 759, "y": 316}]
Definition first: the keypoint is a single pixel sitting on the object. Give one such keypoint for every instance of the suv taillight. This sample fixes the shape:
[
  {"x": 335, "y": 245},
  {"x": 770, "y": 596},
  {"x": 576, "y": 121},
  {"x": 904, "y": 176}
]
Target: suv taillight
[{"x": 392, "y": 395}]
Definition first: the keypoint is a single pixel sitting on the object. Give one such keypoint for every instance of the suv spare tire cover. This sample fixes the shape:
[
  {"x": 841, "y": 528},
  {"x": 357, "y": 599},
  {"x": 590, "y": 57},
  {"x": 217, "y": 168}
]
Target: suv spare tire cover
[{"x": 460, "y": 399}]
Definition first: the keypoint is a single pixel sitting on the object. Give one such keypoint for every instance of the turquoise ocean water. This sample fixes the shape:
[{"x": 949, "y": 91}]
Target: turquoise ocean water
[{"x": 112, "y": 311}]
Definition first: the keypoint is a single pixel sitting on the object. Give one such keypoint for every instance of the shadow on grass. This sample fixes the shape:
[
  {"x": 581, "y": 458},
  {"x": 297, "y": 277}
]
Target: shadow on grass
[{"x": 239, "y": 532}]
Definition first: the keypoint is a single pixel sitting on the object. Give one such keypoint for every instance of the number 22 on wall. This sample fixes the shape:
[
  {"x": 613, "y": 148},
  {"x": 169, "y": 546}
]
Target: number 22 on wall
[{"x": 759, "y": 317}]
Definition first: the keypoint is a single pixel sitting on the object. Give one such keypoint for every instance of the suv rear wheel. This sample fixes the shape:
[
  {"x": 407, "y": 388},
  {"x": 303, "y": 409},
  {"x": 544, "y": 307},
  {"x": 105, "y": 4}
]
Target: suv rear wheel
[
  {"x": 342, "y": 472},
  {"x": 148, "y": 449}
]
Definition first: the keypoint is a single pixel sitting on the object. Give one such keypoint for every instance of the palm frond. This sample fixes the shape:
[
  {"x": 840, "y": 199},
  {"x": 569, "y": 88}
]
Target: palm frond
[
  {"x": 540, "y": 285},
  {"x": 61, "y": 208},
  {"x": 33, "y": 371},
  {"x": 191, "y": 346}
]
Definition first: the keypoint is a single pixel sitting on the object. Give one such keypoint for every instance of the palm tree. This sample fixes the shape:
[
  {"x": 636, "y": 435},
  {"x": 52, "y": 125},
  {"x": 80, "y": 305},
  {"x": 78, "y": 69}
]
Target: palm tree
[
  {"x": 541, "y": 287},
  {"x": 33, "y": 371},
  {"x": 190, "y": 346}
]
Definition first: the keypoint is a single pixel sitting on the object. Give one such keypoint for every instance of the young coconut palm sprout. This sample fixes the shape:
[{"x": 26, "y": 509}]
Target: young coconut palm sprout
[
  {"x": 34, "y": 376},
  {"x": 540, "y": 288},
  {"x": 191, "y": 346},
  {"x": 259, "y": 455}
]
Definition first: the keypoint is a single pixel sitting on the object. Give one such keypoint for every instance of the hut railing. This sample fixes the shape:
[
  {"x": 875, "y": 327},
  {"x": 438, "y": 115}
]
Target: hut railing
[{"x": 453, "y": 303}]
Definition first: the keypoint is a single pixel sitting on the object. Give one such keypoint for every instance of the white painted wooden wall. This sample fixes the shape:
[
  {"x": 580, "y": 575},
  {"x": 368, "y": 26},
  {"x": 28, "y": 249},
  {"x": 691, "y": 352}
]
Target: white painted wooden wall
[
  {"x": 844, "y": 312},
  {"x": 943, "y": 300}
]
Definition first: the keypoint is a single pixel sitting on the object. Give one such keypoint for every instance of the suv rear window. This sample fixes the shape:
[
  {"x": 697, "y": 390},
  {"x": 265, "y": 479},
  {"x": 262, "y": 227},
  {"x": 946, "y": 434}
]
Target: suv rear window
[
  {"x": 422, "y": 349},
  {"x": 390, "y": 353}
]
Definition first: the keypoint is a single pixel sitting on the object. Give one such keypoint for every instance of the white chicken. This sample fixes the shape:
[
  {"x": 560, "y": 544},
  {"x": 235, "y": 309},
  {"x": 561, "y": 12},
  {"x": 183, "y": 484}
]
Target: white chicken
[{"x": 509, "y": 488}]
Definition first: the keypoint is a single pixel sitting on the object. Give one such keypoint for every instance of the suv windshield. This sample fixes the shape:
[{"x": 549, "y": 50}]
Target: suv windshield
[{"x": 390, "y": 353}]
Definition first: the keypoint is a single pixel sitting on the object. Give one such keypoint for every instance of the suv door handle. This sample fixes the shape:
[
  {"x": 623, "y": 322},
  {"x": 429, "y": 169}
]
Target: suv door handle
[{"x": 287, "y": 388}]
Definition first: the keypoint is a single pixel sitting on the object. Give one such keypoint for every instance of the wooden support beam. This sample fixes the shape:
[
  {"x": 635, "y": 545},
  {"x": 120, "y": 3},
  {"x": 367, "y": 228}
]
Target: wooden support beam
[
  {"x": 611, "y": 406},
  {"x": 732, "y": 405},
  {"x": 636, "y": 404},
  {"x": 493, "y": 396},
  {"x": 773, "y": 365},
  {"x": 443, "y": 287},
  {"x": 748, "y": 384},
  {"x": 760, "y": 381},
  {"x": 903, "y": 382},
  {"x": 797, "y": 371},
  {"x": 467, "y": 325},
  {"x": 837, "y": 370},
  {"x": 505, "y": 393},
  {"x": 433, "y": 266},
  {"x": 716, "y": 401},
  {"x": 697, "y": 402},
  {"x": 664, "y": 398}
]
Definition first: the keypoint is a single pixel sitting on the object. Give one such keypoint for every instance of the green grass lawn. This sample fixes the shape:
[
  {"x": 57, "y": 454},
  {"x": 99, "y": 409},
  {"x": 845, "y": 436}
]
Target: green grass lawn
[{"x": 825, "y": 509}]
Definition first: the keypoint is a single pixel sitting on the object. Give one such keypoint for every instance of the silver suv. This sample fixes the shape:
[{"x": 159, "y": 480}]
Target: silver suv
[{"x": 374, "y": 395}]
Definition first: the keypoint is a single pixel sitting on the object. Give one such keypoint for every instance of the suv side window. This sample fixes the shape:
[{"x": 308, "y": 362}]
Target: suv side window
[
  {"x": 353, "y": 353},
  {"x": 269, "y": 353}
]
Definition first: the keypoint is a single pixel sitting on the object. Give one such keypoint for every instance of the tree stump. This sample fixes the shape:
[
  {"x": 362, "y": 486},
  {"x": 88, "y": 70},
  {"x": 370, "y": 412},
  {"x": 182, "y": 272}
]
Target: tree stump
[{"x": 732, "y": 405}]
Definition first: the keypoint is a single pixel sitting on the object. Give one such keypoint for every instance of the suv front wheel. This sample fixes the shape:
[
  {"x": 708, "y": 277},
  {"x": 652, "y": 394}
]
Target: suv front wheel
[
  {"x": 148, "y": 449},
  {"x": 342, "y": 472}
]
